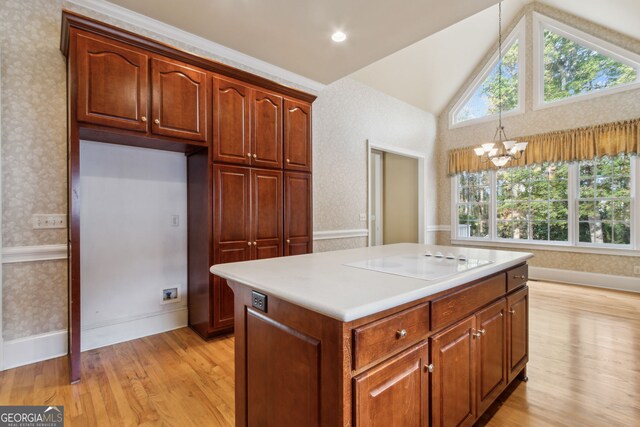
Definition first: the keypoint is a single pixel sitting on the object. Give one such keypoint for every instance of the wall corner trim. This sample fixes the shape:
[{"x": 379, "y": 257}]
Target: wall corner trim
[
  {"x": 33, "y": 253},
  {"x": 133, "y": 18},
  {"x": 583, "y": 278}
]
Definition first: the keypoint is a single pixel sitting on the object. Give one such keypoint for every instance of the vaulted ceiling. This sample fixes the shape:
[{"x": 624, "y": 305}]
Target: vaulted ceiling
[{"x": 420, "y": 51}]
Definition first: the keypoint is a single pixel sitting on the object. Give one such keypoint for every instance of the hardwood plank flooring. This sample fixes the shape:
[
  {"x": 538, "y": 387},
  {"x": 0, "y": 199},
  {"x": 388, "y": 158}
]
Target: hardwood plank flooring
[{"x": 583, "y": 370}]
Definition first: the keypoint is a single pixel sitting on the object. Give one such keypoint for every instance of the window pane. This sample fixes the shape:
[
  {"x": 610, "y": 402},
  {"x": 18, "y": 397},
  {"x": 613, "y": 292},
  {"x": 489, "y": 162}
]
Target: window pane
[
  {"x": 559, "y": 231},
  {"x": 540, "y": 231},
  {"x": 572, "y": 69},
  {"x": 621, "y": 233},
  {"x": 485, "y": 99},
  {"x": 622, "y": 211},
  {"x": 473, "y": 204},
  {"x": 587, "y": 211}
]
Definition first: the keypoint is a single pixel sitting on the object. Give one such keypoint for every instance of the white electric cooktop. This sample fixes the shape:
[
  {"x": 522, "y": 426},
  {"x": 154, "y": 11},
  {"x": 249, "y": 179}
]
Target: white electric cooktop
[{"x": 422, "y": 266}]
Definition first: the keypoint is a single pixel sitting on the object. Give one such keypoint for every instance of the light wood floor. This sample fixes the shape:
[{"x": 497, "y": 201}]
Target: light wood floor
[{"x": 583, "y": 371}]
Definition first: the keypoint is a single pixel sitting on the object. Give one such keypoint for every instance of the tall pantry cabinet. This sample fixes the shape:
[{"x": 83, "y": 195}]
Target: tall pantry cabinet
[
  {"x": 247, "y": 141},
  {"x": 260, "y": 190}
]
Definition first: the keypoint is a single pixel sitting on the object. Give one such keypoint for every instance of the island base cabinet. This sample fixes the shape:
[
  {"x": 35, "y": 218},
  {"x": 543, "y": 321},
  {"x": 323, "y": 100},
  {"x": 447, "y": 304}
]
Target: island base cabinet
[
  {"x": 518, "y": 330},
  {"x": 453, "y": 385},
  {"x": 394, "y": 393}
]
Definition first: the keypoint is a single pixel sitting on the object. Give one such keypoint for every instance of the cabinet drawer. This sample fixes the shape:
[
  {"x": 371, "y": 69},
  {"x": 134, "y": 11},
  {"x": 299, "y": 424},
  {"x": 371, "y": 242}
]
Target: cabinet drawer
[
  {"x": 446, "y": 310},
  {"x": 517, "y": 277},
  {"x": 385, "y": 336}
]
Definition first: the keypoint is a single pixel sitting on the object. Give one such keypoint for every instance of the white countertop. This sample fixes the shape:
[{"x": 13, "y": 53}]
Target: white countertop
[{"x": 322, "y": 282}]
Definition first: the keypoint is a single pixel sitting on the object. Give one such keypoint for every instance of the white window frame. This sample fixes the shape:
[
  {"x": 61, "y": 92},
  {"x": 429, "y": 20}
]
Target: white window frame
[
  {"x": 572, "y": 245},
  {"x": 542, "y": 23},
  {"x": 518, "y": 33}
]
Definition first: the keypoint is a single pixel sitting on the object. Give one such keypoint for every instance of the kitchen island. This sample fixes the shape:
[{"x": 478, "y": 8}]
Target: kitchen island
[{"x": 397, "y": 335}]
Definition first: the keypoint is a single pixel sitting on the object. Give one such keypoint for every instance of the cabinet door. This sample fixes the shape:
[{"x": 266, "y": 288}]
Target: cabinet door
[
  {"x": 297, "y": 135},
  {"x": 492, "y": 353},
  {"x": 394, "y": 393},
  {"x": 231, "y": 139},
  {"x": 231, "y": 237},
  {"x": 518, "y": 330},
  {"x": 266, "y": 206},
  {"x": 266, "y": 132},
  {"x": 113, "y": 84},
  {"x": 297, "y": 213},
  {"x": 453, "y": 386},
  {"x": 179, "y": 107}
]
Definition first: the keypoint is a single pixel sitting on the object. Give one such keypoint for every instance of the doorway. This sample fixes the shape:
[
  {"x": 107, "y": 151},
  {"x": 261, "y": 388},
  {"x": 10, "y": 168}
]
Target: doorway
[{"x": 396, "y": 200}]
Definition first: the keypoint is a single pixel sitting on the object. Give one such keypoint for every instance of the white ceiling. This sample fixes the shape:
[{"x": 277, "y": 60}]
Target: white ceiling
[
  {"x": 428, "y": 73},
  {"x": 295, "y": 34}
]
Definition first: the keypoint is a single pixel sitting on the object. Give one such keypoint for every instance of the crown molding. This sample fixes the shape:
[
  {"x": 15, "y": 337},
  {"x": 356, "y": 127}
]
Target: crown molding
[{"x": 136, "y": 19}]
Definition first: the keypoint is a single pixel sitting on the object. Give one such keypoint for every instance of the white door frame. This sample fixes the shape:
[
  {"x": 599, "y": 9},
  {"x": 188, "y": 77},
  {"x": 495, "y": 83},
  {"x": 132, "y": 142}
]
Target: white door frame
[
  {"x": 422, "y": 200},
  {"x": 376, "y": 187}
]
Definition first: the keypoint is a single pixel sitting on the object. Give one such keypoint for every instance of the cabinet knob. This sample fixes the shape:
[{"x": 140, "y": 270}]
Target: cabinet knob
[
  {"x": 288, "y": 241},
  {"x": 143, "y": 118},
  {"x": 249, "y": 243},
  {"x": 254, "y": 243},
  {"x": 288, "y": 161},
  {"x": 248, "y": 154},
  {"x": 482, "y": 331},
  {"x": 255, "y": 156},
  {"x": 156, "y": 121},
  {"x": 429, "y": 367},
  {"x": 475, "y": 334},
  {"x": 520, "y": 277},
  {"x": 401, "y": 334},
  {"x": 512, "y": 311}
]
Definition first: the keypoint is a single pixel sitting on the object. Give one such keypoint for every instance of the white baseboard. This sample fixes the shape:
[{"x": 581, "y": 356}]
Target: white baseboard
[
  {"x": 100, "y": 335},
  {"x": 622, "y": 283},
  {"x": 36, "y": 348}
]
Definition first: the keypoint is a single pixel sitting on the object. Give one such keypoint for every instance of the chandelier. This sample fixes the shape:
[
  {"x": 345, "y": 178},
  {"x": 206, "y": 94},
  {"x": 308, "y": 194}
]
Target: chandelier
[{"x": 502, "y": 149}]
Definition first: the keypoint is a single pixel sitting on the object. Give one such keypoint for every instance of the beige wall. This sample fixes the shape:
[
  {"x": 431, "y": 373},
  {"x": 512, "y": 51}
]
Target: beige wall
[
  {"x": 608, "y": 108},
  {"x": 400, "y": 199}
]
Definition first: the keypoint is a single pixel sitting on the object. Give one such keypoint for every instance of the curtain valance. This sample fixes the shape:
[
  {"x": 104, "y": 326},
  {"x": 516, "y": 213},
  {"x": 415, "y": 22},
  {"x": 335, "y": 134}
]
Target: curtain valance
[{"x": 586, "y": 143}]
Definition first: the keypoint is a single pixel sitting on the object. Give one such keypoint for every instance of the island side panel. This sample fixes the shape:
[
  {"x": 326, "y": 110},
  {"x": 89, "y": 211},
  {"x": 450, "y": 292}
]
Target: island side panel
[{"x": 303, "y": 380}]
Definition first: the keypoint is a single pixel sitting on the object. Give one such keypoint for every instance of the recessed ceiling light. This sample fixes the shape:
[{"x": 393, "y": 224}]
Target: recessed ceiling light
[{"x": 339, "y": 37}]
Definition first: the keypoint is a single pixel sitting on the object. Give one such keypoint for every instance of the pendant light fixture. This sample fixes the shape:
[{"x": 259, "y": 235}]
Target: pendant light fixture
[{"x": 502, "y": 149}]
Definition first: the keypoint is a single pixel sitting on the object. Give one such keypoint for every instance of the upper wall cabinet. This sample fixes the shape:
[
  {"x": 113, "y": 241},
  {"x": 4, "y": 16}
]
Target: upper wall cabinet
[
  {"x": 231, "y": 139},
  {"x": 178, "y": 106},
  {"x": 112, "y": 83},
  {"x": 297, "y": 135},
  {"x": 266, "y": 134},
  {"x": 114, "y": 90}
]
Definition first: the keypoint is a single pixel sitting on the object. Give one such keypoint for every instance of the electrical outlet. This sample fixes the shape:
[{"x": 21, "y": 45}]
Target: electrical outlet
[
  {"x": 170, "y": 295},
  {"x": 636, "y": 270},
  {"x": 44, "y": 221},
  {"x": 175, "y": 220}
]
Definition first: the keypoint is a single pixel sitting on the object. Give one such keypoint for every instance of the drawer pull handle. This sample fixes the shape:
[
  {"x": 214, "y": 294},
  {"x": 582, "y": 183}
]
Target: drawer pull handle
[
  {"x": 520, "y": 277},
  {"x": 401, "y": 334},
  {"x": 429, "y": 367},
  {"x": 512, "y": 311}
]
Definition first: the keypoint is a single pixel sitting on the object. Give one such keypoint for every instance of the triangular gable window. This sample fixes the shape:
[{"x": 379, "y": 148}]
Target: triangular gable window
[
  {"x": 573, "y": 63},
  {"x": 481, "y": 101}
]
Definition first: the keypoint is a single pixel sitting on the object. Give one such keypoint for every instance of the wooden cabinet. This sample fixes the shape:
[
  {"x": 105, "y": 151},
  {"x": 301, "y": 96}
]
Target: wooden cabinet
[
  {"x": 114, "y": 90},
  {"x": 297, "y": 135},
  {"x": 395, "y": 393},
  {"x": 178, "y": 100},
  {"x": 112, "y": 83},
  {"x": 266, "y": 129},
  {"x": 248, "y": 224},
  {"x": 518, "y": 332},
  {"x": 298, "y": 213},
  {"x": 491, "y": 324},
  {"x": 231, "y": 106},
  {"x": 453, "y": 392}
]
